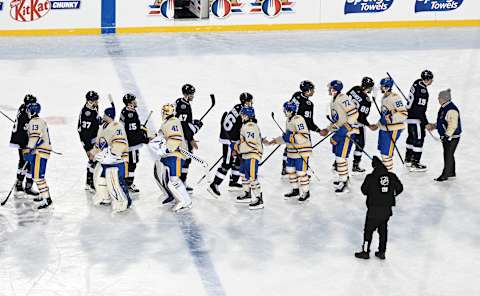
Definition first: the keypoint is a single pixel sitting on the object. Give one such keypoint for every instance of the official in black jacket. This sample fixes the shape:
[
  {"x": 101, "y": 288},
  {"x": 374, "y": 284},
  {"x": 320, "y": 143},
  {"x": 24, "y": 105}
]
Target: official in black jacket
[
  {"x": 19, "y": 139},
  {"x": 381, "y": 187}
]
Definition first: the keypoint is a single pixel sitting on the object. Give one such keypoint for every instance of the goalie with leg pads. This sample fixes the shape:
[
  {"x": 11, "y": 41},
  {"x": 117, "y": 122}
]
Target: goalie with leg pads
[
  {"x": 168, "y": 167},
  {"x": 111, "y": 151}
]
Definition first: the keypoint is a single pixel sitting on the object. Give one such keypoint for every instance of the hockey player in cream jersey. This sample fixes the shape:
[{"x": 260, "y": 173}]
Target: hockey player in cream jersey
[
  {"x": 392, "y": 122},
  {"x": 39, "y": 149},
  {"x": 299, "y": 148},
  {"x": 168, "y": 168},
  {"x": 250, "y": 150},
  {"x": 111, "y": 152},
  {"x": 343, "y": 118}
]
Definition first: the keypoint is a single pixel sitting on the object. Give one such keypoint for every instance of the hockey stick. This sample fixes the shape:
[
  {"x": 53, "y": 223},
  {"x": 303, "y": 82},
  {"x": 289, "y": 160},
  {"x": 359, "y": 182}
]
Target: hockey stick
[
  {"x": 148, "y": 118},
  {"x": 212, "y": 97},
  {"x": 193, "y": 156},
  {"x": 209, "y": 170},
  {"x": 13, "y": 121},
  {"x": 354, "y": 142},
  {"x": 8, "y": 117},
  {"x": 304, "y": 161},
  {"x": 326, "y": 137},
  {"x": 271, "y": 153},
  {"x": 388, "y": 131},
  {"x": 13, "y": 187}
]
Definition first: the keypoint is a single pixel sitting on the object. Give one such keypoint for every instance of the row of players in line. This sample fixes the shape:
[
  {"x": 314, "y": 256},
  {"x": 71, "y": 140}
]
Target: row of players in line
[{"x": 345, "y": 124}]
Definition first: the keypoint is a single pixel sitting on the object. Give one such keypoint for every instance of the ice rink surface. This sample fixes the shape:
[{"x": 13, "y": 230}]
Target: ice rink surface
[{"x": 219, "y": 247}]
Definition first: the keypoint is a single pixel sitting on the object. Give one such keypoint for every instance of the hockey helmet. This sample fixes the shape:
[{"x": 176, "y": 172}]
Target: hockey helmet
[
  {"x": 28, "y": 99},
  {"x": 426, "y": 75},
  {"x": 34, "y": 108},
  {"x": 128, "y": 98},
  {"x": 387, "y": 83},
  {"x": 168, "y": 110},
  {"x": 367, "y": 82},
  {"x": 245, "y": 97},
  {"x": 248, "y": 112},
  {"x": 336, "y": 85},
  {"x": 188, "y": 89},
  {"x": 91, "y": 96},
  {"x": 306, "y": 85},
  {"x": 290, "y": 106}
]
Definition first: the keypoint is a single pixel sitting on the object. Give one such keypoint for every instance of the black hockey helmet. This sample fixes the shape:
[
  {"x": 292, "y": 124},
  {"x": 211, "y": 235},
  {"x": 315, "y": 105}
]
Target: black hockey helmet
[
  {"x": 426, "y": 75},
  {"x": 367, "y": 82},
  {"x": 188, "y": 89},
  {"x": 28, "y": 99},
  {"x": 306, "y": 85},
  {"x": 245, "y": 97},
  {"x": 91, "y": 96},
  {"x": 128, "y": 98}
]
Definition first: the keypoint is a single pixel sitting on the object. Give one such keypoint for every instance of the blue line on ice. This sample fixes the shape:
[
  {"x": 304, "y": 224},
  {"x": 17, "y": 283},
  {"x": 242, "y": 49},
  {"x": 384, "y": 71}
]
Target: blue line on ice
[{"x": 190, "y": 229}]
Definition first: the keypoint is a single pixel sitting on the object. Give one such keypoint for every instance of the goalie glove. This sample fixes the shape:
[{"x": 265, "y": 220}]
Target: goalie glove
[{"x": 159, "y": 146}]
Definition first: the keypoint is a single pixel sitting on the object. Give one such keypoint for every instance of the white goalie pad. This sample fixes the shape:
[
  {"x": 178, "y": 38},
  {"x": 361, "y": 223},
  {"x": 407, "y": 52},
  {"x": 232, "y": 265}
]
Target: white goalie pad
[
  {"x": 101, "y": 192},
  {"x": 115, "y": 191},
  {"x": 161, "y": 174},
  {"x": 178, "y": 190}
]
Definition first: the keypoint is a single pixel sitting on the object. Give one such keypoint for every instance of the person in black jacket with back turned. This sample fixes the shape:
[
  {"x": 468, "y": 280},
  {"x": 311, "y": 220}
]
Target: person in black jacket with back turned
[{"x": 381, "y": 187}]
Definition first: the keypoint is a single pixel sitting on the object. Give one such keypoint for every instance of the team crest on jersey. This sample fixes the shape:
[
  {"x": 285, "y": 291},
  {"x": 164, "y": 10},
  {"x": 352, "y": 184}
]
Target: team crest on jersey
[
  {"x": 183, "y": 106},
  {"x": 437, "y": 5},
  {"x": 130, "y": 115},
  {"x": 165, "y": 8},
  {"x": 88, "y": 113},
  {"x": 223, "y": 8},
  {"x": 272, "y": 8},
  {"x": 102, "y": 143}
]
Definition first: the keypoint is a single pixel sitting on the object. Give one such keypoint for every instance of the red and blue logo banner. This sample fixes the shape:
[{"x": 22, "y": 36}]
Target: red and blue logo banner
[
  {"x": 165, "y": 8},
  {"x": 272, "y": 8}
]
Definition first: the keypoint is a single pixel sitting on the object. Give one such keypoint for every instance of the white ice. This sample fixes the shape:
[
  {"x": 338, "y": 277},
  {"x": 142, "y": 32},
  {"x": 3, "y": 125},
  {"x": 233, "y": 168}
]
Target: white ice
[{"x": 219, "y": 247}]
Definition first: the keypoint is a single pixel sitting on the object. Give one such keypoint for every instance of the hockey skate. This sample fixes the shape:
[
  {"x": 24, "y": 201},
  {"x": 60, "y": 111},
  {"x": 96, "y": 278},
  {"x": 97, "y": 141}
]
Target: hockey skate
[
  {"x": 234, "y": 186},
  {"x": 257, "y": 204},
  {"x": 342, "y": 188},
  {"x": 168, "y": 200},
  {"x": 294, "y": 193},
  {"x": 213, "y": 190},
  {"x": 19, "y": 192},
  {"x": 31, "y": 192},
  {"x": 246, "y": 198},
  {"x": 305, "y": 196},
  {"x": 133, "y": 189},
  {"x": 182, "y": 207},
  {"x": 356, "y": 169},
  {"x": 417, "y": 167},
  {"x": 362, "y": 255},
  {"x": 380, "y": 255},
  {"x": 43, "y": 203}
]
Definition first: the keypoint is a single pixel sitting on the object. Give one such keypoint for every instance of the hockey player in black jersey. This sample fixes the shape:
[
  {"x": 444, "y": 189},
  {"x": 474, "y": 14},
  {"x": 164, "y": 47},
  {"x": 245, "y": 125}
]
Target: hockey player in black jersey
[
  {"x": 360, "y": 95},
  {"x": 231, "y": 124},
  {"x": 88, "y": 124},
  {"x": 305, "y": 109},
  {"x": 183, "y": 111},
  {"x": 19, "y": 139},
  {"x": 417, "y": 121},
  {"x": 137, "y": 135}
]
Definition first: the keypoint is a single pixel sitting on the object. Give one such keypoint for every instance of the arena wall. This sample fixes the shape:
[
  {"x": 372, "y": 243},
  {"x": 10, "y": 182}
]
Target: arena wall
[{"x": 52, "y": 17}]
